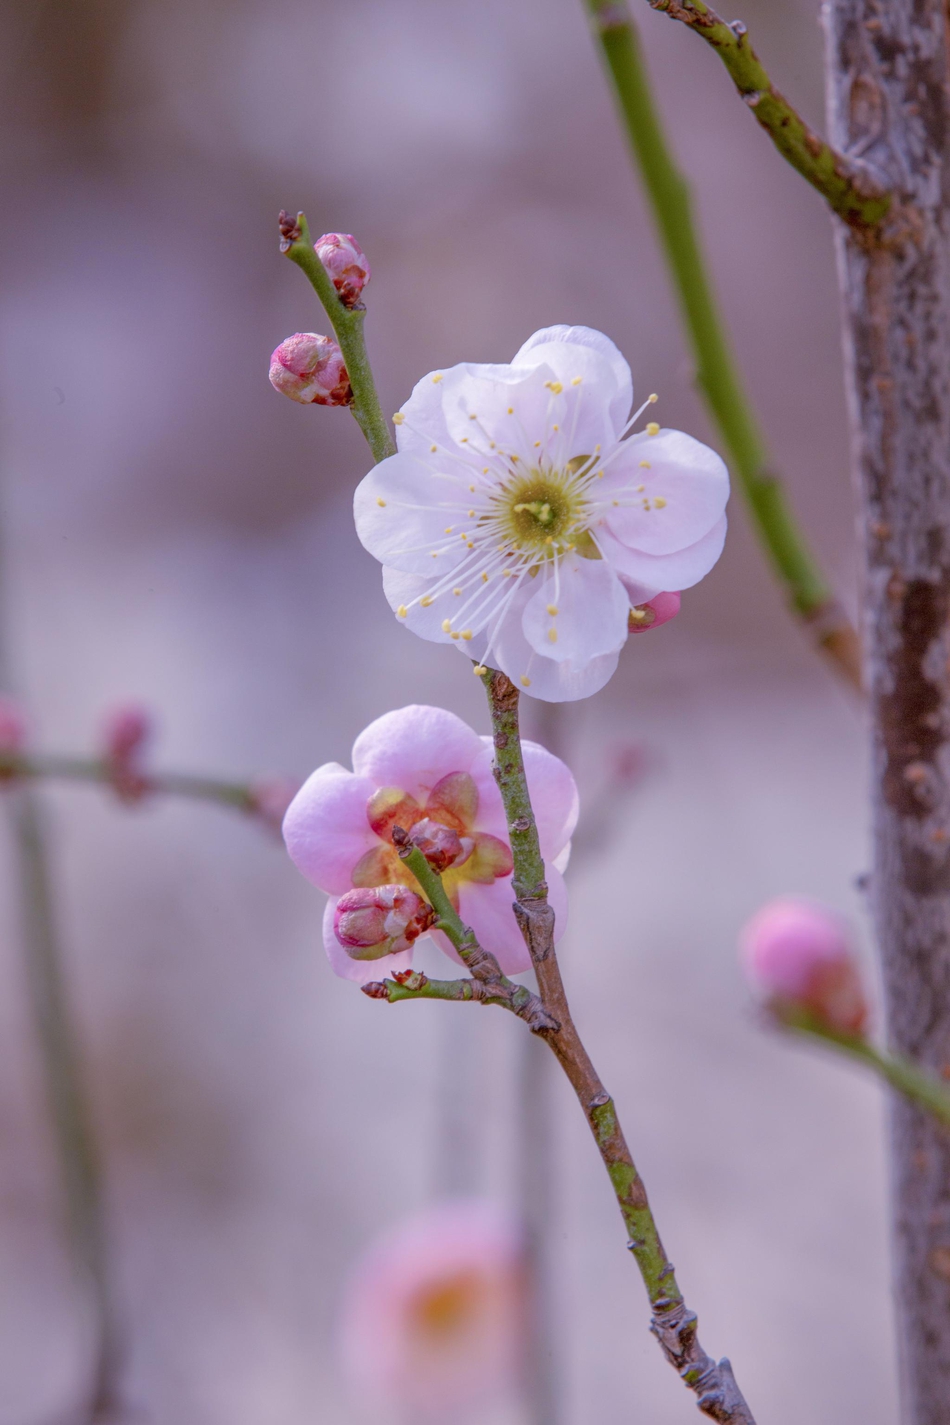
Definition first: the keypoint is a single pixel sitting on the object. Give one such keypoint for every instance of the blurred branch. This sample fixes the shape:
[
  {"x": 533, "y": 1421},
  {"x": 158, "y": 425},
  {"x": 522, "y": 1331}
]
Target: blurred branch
[
  {"x": 347, "y": 324},
  {"x": 673, "y": 1323},
  {"x": 849, "y": 188},
  {"x": 717, "y": 375}
]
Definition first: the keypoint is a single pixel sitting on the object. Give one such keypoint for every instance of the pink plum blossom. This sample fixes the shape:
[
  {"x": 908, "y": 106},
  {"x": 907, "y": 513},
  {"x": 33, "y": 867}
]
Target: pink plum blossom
[
  {"x": 522, "y": 521},
  {"x": 127, "y": 730},
  {"x": 309, "y": 368},
  {"x": 425, "y": 770},
  {"x": 799, "y": 955},
  {"x": 346, "y": 263},
  {"x": 433, "y": 1323}
]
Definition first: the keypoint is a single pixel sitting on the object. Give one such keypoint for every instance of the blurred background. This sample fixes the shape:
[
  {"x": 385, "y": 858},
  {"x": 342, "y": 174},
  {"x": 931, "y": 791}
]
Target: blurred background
[{"x": 174, "y": 530}]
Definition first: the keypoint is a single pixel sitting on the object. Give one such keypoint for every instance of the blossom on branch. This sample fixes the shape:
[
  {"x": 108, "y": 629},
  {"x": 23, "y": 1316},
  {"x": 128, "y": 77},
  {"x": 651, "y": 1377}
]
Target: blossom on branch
[
  {"x": 127, "y": 730},
  {"x": 521, "y": 519},
  {"x": 434, "y": 1319},
  {"x": 800, "y": 956},
  {"x": 309, "y": 368},
  {"x": 346, "y": 263},
  {"x": 423, "y": 769}
]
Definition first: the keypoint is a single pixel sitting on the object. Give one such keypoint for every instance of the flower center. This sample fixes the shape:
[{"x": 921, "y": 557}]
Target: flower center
[{"x": 541, "y": 509}]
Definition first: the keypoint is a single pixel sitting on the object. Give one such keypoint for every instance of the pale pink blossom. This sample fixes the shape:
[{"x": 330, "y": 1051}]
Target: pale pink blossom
[
  {"x": 799, "y": 955},
  {"x": 309, "y": 368},
  {"x": 433, "y": 1323},
  {"x": 346, "y": 263},
  {"x": 425, "y": 770},
  {"x": 521, "y": 520},
  {"x": 127, "y": 729}
]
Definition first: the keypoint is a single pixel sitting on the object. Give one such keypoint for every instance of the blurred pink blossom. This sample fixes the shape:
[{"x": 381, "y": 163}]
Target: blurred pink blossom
[
  {"x": 433, "y": 1320},
  {"x": 127, "y": 729},
  {"x": 799, "y": 955},
  {"x": 270, "y": 798},
  {"x": 382, "y": 920},
  {"x": 346, "y": 263},
  {"x": 660, "y": 609},
  {"x": 425, "y": 770},
  {"x": 12, "y": 725},
  {"x": 309, "y": 368}
]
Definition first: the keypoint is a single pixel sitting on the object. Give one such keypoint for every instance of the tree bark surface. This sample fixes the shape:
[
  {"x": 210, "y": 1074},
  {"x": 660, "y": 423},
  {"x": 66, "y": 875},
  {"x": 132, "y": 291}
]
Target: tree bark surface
[{"x": 888, "y": 93}]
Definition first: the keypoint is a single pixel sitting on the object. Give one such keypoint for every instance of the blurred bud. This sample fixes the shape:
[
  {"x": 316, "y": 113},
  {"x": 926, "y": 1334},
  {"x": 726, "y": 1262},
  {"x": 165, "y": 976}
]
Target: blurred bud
[
  {"x": 441, "y": 845},
  {"x": 309, "y": 368},
  {"x": 126, "y": 731},
  {"x": 660, "y": 609},
  {"x": 269, "y": 799},
  {"x": 12, "y": 732},
  {"x": 346, "y": 263},
  {"x": 380, "y": 920},
  {"x": 434, "y": 1322},
  {"x": 799, "y": 956}
]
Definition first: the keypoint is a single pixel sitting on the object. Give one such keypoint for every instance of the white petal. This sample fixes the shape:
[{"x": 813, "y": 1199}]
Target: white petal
[
  {"x": 592, "y": 610},
  {"x": 672, "y": 572},
  {"x": 574, "y": 343},
  {"x": 688, "y": 478},
  {"x": 402, "y": 510},
  {"x": 401, "y": 589}
]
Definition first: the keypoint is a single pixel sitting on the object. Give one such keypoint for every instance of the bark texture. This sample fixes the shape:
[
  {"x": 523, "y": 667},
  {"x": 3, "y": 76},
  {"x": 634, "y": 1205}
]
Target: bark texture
[{"x": 888, "y": 90}]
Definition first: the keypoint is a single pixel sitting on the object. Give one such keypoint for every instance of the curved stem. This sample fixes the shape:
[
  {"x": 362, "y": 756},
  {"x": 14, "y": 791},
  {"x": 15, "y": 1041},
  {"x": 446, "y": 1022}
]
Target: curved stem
[
  {"x": 347, "y": 325},
  {"x": 717, "y": 374}
]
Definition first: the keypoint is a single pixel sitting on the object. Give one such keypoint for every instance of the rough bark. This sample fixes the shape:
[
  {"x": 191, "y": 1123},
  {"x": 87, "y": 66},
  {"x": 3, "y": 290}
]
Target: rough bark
[{"x": 888, "y": 90}]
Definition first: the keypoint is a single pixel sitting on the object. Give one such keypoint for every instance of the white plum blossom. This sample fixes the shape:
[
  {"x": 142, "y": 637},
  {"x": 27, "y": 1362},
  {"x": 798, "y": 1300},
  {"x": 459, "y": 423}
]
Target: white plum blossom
[{"x": 523, "y": 521}]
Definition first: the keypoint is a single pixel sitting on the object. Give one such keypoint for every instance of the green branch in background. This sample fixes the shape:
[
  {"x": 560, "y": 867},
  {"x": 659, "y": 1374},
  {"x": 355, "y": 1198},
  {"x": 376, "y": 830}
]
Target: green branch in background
[
  {"x": 848, "y": 188},
  {"x": 717, "y": 375},
  {"x": 347, "y": 324}
]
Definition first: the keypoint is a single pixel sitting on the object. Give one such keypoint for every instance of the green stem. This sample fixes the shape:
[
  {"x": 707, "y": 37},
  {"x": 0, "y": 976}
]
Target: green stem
[
  {"x": 347, "y": 325},
  {"x": 716, "y": 371},
  {"x": 57, "y": 767},
  {"x": 902, "y": 1075},
  {"x": 849, "y": 190}
]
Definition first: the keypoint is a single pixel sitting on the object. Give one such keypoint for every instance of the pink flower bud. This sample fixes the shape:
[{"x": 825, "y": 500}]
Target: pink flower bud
[
  {"x": 441, "y": 845},
  {"x": 800, "y": 957},
  {"x": 126, "y": 731},
  {"x": 380, "y": 920},
  {"x": 270, "y": 797},
  {"x": 12, "y": 733},
  {"x": 309, "y": 368},
  {"x": 346, "y": 263},
  {"x": 660, "y": 609}
]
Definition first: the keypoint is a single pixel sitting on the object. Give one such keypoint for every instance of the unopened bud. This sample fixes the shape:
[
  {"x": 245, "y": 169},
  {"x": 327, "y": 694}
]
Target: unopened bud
[
  {"x": 346, "y": 263},
  {"x": 799, "y": 956},
  {"x": 380, "y": 920},
  {"x": 12, "y": 733},
  {"x": 309, "y": 368},
  {"x": 269, "y": 799},
  {"x": 126, "y": 731},
  {"x": 660, "y": 609},
  {"x": 440, "y": 845}
]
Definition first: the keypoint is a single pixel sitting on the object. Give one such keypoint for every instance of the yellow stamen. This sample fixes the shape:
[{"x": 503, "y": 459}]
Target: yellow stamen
[
  {"x": 653, "y": 399},
  {"x": 398, "y": 418},
  {"x": 467, "y": 634},
  {"x": 427, "y": 601},
  {"x": 446, "y": 625},
  {"x": 552, "y": 610},
  {"x": 448, "y": 529},
  {"x": 479, "y": 670},
  {"x": 433, "y": 449},
  {"x": 471, "y": 514},
  {"x": 484, "y": 578},
  {"x": 437, "y": 378},
  {"x": 659, "y": 503},
  {"x": 552, "y": 635},
  {"x": 577, "y": 380},
  {"x": 653, "y": 428},
  {"x": 456, "y": 591},
  {"x": 644, "y": 465},
  {"x": 402, "y": 611},
  {"x": 536, "y": 444},
  {"x": 640, "y": 489},
  {"x": 381, "y": 502},
  {"x": 511, "y": 410},
  {"x": 525, "y": 681},
  {"x": 554, "y": 386},
  {"x": 456, "y": 635},
  {"x": 473, "y": 417}
]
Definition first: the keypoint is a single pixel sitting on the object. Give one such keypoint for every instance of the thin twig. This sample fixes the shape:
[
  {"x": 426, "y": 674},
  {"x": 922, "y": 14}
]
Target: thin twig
[
  {"x": 347, "y": 323},
  {"x": 847, "y": 186},
  {"x": 673, "y": 1323},
  {"x": 717, "y": 374},
  {"x": 57, "y": 767}
]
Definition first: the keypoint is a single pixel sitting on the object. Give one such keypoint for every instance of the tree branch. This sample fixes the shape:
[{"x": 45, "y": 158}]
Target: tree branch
[
  {"x": 848, "y": 187},
  {"x": 673, "y": 1323},
  {"x": 717, "y": 374},
  {"x": 347, "y": 324}
]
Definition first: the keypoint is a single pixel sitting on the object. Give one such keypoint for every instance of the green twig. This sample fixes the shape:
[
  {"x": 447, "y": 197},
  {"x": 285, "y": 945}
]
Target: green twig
[
  {"x": 847, "y": 187},
  {"x": 56, "y": 767},
  {"x": 716, "y": 372},
  {"x": 347, "y": 325},
  {"x": 673, "y": 1323}
]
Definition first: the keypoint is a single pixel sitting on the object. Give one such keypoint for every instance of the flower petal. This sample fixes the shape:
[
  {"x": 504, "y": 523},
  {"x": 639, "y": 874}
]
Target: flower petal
[
  {"x": 665, "y": 571},
  {"x": 403, "y": 508},
  {"x": 325, "y": 829},
  {"x": 571, "y": 347},
  {"x": 488, "y": 910},
  {"x": 454, "y": 801},
  {"x": 362, "y": 972},
  {"x": 590, "y": 606},
  {"x": 547, "y": 680},
  {"x": 553, "y": 793},
  {"x": 671, "y": 490},
  {"x": 405, "y": 591},
  {"x": 414, "y": 748}
]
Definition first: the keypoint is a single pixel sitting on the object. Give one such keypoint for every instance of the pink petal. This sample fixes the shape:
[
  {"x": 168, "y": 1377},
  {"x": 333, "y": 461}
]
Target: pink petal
[
  {"x": 591, "y": 606},
  {"x": 665, "y": 571},
  {"x": 325, "y": 829},
  {"x": 553, "y": 793},
  {"x": 361, "y": 972},
  {"x": 688, "y": 479},
  {"x": 414, "y": 748},
  {"x": 558, "y": 345}
]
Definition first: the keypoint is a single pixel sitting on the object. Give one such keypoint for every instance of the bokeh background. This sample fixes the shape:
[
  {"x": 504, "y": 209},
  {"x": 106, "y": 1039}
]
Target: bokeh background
[{"x": 176, "y": 531}]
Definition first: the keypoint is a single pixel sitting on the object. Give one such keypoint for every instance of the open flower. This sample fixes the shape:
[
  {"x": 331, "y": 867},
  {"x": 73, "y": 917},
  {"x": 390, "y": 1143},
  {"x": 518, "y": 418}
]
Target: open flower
[
  {"x": 423, "y": 769},
  {"x": 521, "y": 520},
  {"x": 434, "y": 1318}
]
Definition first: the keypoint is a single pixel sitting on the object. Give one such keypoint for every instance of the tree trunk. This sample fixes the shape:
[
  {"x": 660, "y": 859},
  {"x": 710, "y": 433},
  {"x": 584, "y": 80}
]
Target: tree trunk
[{"x": 888, "y": 92}]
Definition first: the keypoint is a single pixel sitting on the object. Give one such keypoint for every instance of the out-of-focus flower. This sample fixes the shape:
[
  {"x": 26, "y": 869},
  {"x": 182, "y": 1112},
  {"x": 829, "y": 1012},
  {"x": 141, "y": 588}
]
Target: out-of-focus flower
[
  {"x": 424, "y": 770},
  {"x": 270, "y": 798},
  {"x": 309, "y": 368},
  {"x": 127, "y": 729},
  {"x": 660, "y": 609},
  {"x": 378, "y": 921},
  {"x": 799, "y": 956},
  {"x": 346, "y": 263},
  {"x": 12, "y": 733},
  {"x": 434, "y": 1318},
  {"x": 521, "y": 521}
]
